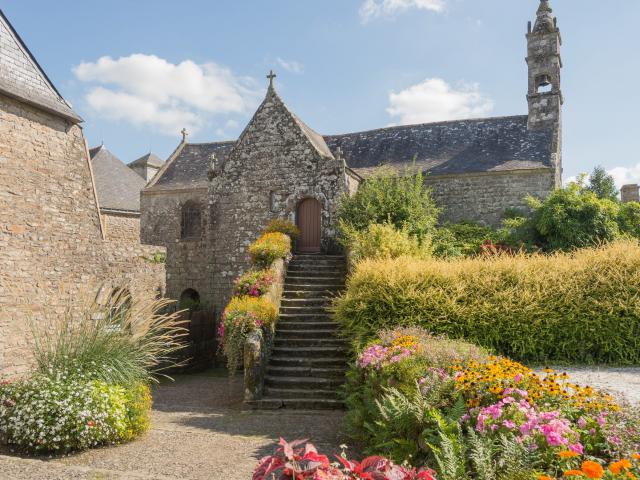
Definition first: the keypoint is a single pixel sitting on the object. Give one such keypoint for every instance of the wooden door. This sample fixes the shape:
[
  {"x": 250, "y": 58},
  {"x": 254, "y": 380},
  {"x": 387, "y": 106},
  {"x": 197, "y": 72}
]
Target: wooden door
[{"x": 309, "y": 219}]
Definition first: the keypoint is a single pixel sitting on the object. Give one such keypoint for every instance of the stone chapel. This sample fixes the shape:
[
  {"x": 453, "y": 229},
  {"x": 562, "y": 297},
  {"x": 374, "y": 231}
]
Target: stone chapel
[{"x": 210, "y": 200}]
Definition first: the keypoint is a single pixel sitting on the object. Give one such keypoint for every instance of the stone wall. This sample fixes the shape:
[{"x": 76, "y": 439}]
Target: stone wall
[
  {"x": 277, "y": 162},
  {"x": 122, "y": 226},
  {"x": 630, "y": 193},
  {"x": 483, "y": 197},
  {"x": 50, "y": 232},
  {"x": 188, "y": 264}
]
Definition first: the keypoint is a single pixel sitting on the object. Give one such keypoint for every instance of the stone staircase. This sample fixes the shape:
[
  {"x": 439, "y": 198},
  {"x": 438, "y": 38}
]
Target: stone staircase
[{"x": 308, "y": 360}]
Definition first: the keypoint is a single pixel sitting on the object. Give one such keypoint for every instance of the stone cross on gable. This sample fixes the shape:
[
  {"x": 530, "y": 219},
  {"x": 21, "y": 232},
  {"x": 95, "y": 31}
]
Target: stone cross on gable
[
  {"x": 271, "y": 76},
  {"x": 185, "y": 134}
]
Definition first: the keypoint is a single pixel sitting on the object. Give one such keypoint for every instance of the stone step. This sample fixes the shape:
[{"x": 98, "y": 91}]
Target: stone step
[
  {"x": 304, "y": 302},
  {"x": 309, "y": 342},
  {"x": 322, "y": 362},
  {"x": 317, "y": 262},
  {"x": 308, "y": 352},
  {"x": 304, "y": 317},
  {"x": 331, "y": 393},
  {"x": 317, "y": 269},
  {"x": 326, "y": 333},
  {"x": 297, "y": 404},
  {"x": 293, "y": 293},
  {"x": 303, "y": 383},
  {"x": 304, "y": 371},
  {"x": 311, "y": 280},
  {"x": 303, "y": 310}
]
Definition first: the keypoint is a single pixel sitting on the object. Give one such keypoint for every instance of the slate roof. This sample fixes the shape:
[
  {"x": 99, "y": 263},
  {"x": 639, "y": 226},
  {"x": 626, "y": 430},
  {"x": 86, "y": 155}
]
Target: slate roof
[
  {"x": 118, "y": 186},
  {"x": 22, "y": 77},
  {"x": 453, "y": 147},
  {"x": 189, "y": 169},
  {"x": 150, "y": 159}
]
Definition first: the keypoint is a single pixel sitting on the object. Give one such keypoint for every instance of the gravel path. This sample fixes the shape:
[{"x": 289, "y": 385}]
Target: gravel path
[
  {"x": 618, "y": 381},
  {"x": 199, "y": 431}
]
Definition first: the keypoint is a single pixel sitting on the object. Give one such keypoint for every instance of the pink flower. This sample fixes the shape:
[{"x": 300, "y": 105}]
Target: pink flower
[
  {"x": 509, "y": 424},
  {"x": 577, "y": 448},
  {"x": 518, "y": 378}
]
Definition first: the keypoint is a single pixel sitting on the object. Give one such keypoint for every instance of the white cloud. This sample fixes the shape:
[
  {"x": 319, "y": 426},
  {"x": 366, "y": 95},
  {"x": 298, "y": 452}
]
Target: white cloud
[
  {"x": 435, "y": 100},
  {"x": 146, "y": 90},
  {"x": 371, "y": 9},
  {"x": 291, "y": 65},
  {"x": 625, "y": 175}
]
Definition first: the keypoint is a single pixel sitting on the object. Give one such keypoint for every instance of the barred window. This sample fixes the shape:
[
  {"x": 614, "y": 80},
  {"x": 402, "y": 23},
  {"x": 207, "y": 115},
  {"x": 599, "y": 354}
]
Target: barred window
[{"x": 191, "y": 226}]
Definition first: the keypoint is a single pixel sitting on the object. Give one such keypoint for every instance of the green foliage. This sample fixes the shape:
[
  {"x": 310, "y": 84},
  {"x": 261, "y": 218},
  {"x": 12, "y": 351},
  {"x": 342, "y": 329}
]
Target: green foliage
[
  {"x": 128, "y": 348},
  {"x": 157, "y": 258},
  {"x": 268, "y": 248},
  {"x": 461, "y": 239},
  {"x": 278, "y": 225},
  {"x": 401, "y": 200},
  {"x": 535, "y": 308},
  {"x": 383, "y": 241},
  {"x": 629, "y": 219},
  {"x": 602, "y": 184},
  {"x": 63, "y": 413},
  {"x": 243, "y": 316}
]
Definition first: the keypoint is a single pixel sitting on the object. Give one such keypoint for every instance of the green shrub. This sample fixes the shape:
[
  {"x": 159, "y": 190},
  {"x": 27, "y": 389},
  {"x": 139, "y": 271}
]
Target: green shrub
[
  {"x": 387, "y": 197},
  {"x": 278, "y": 225},
  {"x": 571, "y": 217},
  {"x": 243, "y": 315},
  {"x": 629, "y": 219},
  {"x": 461, "y": 239},
  {"x": 128, "y": 348},
  {"x": 602, "y": 184},
  {"x": 268, "y": 248},
  {"x": 383, "y": 241},
  {"x": 582, "y": 307},
  {"x": 61, "y": 413}
]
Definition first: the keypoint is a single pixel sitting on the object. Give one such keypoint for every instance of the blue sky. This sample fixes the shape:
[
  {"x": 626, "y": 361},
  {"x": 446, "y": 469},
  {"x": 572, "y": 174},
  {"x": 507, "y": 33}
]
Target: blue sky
[{"x": 342, "y": 65}]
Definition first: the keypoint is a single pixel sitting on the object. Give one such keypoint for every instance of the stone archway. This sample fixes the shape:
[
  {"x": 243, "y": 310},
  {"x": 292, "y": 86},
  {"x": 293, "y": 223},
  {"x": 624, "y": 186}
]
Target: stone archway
[{"x": 309, "y": 221}]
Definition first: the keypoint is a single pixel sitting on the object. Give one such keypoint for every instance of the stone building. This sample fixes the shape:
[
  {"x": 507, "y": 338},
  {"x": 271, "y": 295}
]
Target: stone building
[
  {"x": 52, "y": 237},
  {"x": 146, "y": 166},
  {"x": 118, "y": 188},
  {"x": 210, "y": 200}
]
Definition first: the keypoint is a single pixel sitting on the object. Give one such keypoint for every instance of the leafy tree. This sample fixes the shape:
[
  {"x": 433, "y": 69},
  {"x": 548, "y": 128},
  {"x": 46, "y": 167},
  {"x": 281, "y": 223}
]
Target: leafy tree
[
  {"x": 571, "y": 217},
  {"x": 629, "y": 219},
  {"x": 602, "y": 184},
  {"x": 388, "y": 197}
]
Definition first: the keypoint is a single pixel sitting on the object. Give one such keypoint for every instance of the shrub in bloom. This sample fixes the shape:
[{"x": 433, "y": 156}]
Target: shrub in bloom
[
  {"x": 63, "y": 413},
  {"x": 282, "y": 226},
  {"x": 243, "y": 316},
  {"x": 253, "y": 283},
  {"x": 269, "y": 248}
]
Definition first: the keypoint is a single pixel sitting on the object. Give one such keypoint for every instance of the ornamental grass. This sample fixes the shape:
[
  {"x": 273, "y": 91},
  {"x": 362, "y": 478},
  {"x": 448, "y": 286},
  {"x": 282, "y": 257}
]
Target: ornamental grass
[{"x": 580, "y": 307}]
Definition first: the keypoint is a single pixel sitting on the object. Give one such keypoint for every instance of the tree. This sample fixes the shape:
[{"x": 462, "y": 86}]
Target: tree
[
  {"x": 602, "y": 184},
  {"x": 388, "y": 197}
]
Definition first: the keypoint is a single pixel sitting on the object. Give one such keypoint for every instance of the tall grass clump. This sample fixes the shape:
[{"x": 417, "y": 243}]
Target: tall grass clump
[
  {"x": 120, "y": 342},
  {"x": 580, "y": 307}
]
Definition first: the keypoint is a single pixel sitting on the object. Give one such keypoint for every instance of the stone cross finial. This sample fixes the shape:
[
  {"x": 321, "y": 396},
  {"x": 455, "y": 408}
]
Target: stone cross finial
[
  {"x": 185, "y": 134},
  {"x": 544, "y": 7},
  {"x": 271, "y": 76},
  {"x": 338, "y": 153},
  {"x": 213, "y": 167}
]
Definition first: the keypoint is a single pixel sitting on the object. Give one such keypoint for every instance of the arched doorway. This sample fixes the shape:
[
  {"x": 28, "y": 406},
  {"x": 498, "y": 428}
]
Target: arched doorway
[
  {"x": 190, "y": 300},
  {"x": 308, "y": 218}
]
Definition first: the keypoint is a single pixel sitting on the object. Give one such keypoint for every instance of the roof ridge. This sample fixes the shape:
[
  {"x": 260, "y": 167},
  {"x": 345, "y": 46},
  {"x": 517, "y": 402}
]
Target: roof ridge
[{"x": 443, "y": 122}]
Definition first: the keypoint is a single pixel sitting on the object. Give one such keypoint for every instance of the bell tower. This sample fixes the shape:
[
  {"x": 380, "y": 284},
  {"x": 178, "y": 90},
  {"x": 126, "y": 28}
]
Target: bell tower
[{"x": 544, "y": 62}]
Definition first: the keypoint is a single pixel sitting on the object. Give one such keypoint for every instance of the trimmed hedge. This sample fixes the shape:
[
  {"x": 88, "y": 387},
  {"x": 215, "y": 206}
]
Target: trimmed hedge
[{"x": 580, "y": 307}]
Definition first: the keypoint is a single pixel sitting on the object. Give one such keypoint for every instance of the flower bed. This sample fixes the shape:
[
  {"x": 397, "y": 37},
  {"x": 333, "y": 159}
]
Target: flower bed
[
  {"x": 253, "y": 283},
  {"x": 448, "y": 405},
  {"x": 268, "y": 248}
]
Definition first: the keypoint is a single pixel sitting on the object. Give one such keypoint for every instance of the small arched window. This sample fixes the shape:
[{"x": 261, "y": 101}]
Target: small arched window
[{"x": 191, "y": 224}]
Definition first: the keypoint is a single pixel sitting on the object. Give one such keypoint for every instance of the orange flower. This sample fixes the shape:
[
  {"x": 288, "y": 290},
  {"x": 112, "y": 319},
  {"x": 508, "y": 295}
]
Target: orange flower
[
  {"x": 636, "y": 456},
  {"x": 573, "y": 473},
  {"x": 568, "y": 454},
  {"x": 618, "y": 467},
  {"x": 544, "y": 477},
  {"x": 592, "y": 469}
]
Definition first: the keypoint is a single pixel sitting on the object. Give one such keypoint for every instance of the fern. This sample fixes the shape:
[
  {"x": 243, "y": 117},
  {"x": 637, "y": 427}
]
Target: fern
[
  {"x": 451, "y": 453},
  {"x": 482, "y": 452}
]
